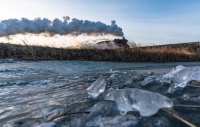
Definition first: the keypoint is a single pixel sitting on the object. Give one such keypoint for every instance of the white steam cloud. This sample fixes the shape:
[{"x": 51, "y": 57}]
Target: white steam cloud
[{"x": 74, "y": 27}]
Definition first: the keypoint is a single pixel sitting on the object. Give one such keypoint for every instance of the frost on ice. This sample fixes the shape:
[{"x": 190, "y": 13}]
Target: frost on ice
[
  {"x": 97, "y": 87},
  {"x": 147, "y": 103}
]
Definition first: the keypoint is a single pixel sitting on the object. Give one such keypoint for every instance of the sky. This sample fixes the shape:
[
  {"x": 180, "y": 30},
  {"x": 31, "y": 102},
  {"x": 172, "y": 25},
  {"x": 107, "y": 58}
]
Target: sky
[{"x": 143, "y": 21}]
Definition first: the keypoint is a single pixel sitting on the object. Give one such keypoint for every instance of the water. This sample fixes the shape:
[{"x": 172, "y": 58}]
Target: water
[{"x": 33, "y": 93}]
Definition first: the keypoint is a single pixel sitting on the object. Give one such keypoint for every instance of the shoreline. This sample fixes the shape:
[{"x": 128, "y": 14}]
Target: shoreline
[{"x": 160, "y": 54}]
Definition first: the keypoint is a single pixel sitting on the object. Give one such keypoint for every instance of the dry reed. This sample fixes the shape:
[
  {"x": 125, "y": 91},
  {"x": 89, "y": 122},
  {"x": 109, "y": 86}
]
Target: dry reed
[{"x": 134, "y": 54}]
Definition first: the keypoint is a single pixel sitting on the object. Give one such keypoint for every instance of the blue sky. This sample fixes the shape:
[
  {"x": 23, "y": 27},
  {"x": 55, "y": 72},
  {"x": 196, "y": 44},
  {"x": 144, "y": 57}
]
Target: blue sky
[{"x": 144, "y": 21}]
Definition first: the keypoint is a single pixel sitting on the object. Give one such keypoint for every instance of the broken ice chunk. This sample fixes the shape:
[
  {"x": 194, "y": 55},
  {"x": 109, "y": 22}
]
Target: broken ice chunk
[
  {"x": 150, "y": 73},
  {"x": 104, "y": 108},
  {"x": 113, "y": 76},
  {"x": 147, "y": 80},
  {"x": 114, "y": 81},
  {"x": 97, "y": 87},
  {"x": 114, "y": 71},
  {"x": 147, "y": 103},
  {"x": 174, "y": 71},
  {"x": 137, "y": 77},
  {"x": 171, "y": 88},
  {"x": 168, "y": 77},
  {"x": 182, "y": 75},
  {"x": 146, "y": 74},
  {"x": 129, "y": 81},
  {"x": 186, "y": 75},
  {"x": 109, "y": 94}
]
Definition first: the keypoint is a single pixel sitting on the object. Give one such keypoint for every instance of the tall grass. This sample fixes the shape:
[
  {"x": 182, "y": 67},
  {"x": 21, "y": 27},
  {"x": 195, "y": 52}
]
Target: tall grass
[{"x": 134, "y": 54}]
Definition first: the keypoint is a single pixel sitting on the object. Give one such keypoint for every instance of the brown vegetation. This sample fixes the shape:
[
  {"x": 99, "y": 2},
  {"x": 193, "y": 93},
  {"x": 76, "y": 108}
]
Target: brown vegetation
[{"x": 137, "y": 54}]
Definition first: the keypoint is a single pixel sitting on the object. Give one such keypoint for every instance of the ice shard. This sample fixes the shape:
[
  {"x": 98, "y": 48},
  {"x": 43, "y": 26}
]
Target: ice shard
[
  {"x": 181, "y": 75},
  {"x": 97, "y": 87},
  {"x": 186, "y": 75},
  {"x": 169, "y": 76},
  {"x": 146, "y": 102},
  {"x": 171, "y": 88},
  {"x": 147, "y": 80}
]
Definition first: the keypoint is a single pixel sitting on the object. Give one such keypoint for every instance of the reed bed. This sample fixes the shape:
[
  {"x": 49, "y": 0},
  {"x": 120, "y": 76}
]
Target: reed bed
[{"x": 173, "y": 53}]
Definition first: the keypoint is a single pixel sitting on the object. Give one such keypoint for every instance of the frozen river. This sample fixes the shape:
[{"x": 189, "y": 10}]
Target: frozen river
[{"x": 32, "y": 93}]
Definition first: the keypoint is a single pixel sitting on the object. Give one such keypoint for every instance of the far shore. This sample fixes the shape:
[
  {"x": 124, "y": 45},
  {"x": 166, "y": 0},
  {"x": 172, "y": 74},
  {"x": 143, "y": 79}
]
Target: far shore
[{"x": 166, "y": 53}]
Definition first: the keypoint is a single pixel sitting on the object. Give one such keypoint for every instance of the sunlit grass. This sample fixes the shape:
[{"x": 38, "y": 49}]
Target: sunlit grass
[{"x": 86, "y": 52}]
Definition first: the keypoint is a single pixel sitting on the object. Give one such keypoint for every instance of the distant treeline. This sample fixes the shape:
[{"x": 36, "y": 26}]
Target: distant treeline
[{"x": 167, "y": 53}]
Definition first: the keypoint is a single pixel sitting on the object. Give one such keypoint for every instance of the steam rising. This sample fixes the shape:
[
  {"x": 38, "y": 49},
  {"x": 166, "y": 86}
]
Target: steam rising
[{"x": 74, "y": 27}]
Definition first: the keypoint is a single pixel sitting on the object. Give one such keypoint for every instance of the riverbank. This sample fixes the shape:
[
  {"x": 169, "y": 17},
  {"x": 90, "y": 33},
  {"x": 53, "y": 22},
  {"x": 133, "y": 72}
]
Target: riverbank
[{"x": 182, "y": 53}]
